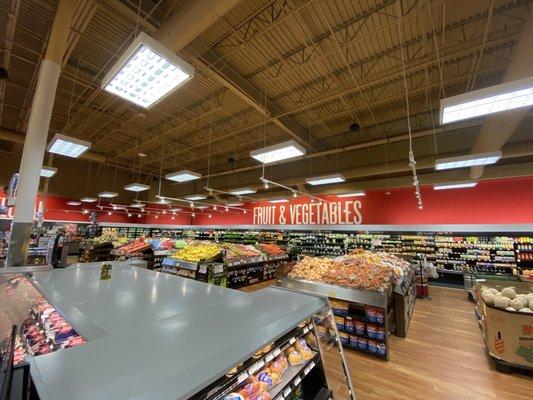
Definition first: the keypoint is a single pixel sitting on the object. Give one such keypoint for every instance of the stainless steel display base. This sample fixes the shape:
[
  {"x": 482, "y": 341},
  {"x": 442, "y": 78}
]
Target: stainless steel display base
[{"x": 361, "y": 296}]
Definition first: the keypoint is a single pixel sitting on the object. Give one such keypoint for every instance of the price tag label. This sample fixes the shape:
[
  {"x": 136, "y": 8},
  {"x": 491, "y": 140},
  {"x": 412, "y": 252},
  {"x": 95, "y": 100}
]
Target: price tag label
[
  {"x": 310, "y": 326},
  {"x": 287, "y": 392},
  {"x": 306, "y": 371},
  {"x": 277, "y": 352},
  {"x": 256, "y": 367},
  {"x": 269, "y": 357},
  {"x": 332, "y": 293},
  {"x": 311, "y": 366},
  {"x": 297, "y": 381},
  {"x": 306, "y": 329},
  {"x": 290, "y": 285},
  {"x": 280, "y": 397},
  {"x": 292, "y": 340},
  {"x": 242, "y": 377}
]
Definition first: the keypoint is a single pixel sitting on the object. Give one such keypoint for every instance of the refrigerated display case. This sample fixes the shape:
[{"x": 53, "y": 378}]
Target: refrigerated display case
[{"x": 153, "y": 335}]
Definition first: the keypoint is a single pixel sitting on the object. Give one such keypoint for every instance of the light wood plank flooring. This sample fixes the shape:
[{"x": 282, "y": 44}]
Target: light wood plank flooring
[{"x": 443, "y": 357}]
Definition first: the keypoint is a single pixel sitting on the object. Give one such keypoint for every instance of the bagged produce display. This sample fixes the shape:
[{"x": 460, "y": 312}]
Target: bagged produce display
[{"x": 360, "y": 269}]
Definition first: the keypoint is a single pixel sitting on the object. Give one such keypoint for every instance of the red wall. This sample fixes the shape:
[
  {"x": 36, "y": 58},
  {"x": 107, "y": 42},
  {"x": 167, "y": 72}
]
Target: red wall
[{"x": 508, "y": 201}]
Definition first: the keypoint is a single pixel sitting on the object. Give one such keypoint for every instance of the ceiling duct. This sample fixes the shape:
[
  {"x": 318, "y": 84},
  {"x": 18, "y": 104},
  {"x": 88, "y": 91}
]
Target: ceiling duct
[{"x": 498, "y": 128}]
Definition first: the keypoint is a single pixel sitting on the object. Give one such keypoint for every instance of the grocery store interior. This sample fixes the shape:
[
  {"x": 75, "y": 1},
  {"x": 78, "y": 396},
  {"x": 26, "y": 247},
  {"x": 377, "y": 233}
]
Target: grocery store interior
[{"x": 266, "y": 199}]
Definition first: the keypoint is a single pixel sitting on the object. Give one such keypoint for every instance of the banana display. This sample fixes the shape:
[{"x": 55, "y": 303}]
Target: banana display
[{"x": 196, "y": 252}]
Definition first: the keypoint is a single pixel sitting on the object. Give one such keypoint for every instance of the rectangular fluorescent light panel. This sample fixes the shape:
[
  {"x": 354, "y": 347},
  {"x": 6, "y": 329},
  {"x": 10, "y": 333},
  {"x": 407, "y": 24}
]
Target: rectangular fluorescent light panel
[
  {"x": 325, "y": 179},
  {"x": 278, "y": 152},
  {"x": 242, "y": 191},
  {"x": 183, "y": 176},
  {"x": 137, "y": 205},
  {"x": 136, "y": 187},
  {"x": 67, "y": 146},
  {"x": 234, "y": 204},
  {"x": 195, "y": 197},
  {"x": 48, "y": 172},
  {"x": 88, "y": 199},
  {"x": 352, "y": 194},
  {"x": 468, "y": 160},
  {"x": 279, "y": 201},
  {"x": 146, "y": 72},
  {"x": 493, "y": 99},
  {"x": 202, "y": 207},
  {"x": 107, "y": 195},
  {"x": 457, "y": 185},
  {"x": 74, "y": 203}
]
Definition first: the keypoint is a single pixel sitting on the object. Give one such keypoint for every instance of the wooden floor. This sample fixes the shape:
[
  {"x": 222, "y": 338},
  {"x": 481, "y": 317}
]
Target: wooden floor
[{"x": 443, "y": 357}]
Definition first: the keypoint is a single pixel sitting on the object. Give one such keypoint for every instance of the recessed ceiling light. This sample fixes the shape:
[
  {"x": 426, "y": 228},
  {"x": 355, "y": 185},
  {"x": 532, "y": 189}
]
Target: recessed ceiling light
[
  {"x": 107, "y": 195},
  {"x": 468, "y": 160},
  {"x": 202, "y": 207},
  {"x": 74, "y": 203},
  {"x": 137, "y": 205},
  {"x": 48, "y": 172},
  {"x": 146, "y": 72},
  {"x": 175, "y": 209},
  {"x": 67, "y": 146},
  {"x": 88, "y": 199},
  {"x": 195, "y": 197},
  {"x": 141, "y": 154},
  {"x": 456, "y": 185},
  {"x": 279, "y": 201},
  {"x": 278, "y": 152},
  {"x": 325, "y": 179},
  {"x": 352, "y": 194},
  {"x": 183, "y": 176},
  {"x": 493, "y": 99},
  {"x": 136, "y": 187},
  {"x": 242, "y": 191}
]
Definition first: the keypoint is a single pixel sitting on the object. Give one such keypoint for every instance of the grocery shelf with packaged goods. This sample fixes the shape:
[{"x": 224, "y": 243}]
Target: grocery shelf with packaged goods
[
  {"x": 362, "y": 288},
  {"x": 276, "y": 352}
]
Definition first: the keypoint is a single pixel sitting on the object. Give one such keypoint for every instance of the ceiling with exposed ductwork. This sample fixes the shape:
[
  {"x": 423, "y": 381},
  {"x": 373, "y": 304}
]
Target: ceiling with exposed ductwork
[{"x": 267, "y": 71}]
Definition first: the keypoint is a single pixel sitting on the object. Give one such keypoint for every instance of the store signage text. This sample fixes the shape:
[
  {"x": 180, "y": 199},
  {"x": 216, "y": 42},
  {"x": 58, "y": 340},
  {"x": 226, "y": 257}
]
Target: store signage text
[{"x": 323, "y": 213}]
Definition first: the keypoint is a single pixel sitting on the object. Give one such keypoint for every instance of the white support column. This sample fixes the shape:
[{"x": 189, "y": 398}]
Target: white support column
[{"x": 37, "y": 134}]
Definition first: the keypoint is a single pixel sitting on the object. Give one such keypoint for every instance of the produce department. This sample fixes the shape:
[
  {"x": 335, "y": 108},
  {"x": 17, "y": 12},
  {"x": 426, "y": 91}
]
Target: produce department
[{"x": 266, "y": 200}]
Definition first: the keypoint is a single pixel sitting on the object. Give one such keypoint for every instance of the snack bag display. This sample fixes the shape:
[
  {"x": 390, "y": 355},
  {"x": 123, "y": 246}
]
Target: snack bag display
[
  {"x": 294, "y": 357},
  {"x": 303, "y": 348},
  {"x": 339, "y": 321}
]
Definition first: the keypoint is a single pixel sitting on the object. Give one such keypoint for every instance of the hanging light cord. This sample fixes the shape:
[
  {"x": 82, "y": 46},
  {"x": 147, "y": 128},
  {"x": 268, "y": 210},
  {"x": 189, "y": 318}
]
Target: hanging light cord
[{"x": 412, "y": 161}]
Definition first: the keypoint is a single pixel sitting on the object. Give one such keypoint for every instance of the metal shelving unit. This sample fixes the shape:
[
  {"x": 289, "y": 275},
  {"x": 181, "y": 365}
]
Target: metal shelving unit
[{"x": 359, "y": 298}]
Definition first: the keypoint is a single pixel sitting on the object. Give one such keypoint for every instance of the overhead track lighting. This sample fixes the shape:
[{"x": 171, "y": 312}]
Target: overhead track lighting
[
  {"x": 493, "y": 99},
  {"x": 146, "y": 72},
  {"x": 183, "y": 176},
  {"x": 136, "y": 187},
  {"x": 468, "y": 160},
  {"x": 325, "y": 179},
  {"x": 48, "y": 172},
  {"x": 107, "y": 195},
  {"x": 67, "y": 146},
  {"x": 89, "y": 199},
  {"x": 352, "y": 194},
  {"x": 278, "y": 152},
  {"x": 456, "y": 185}
]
